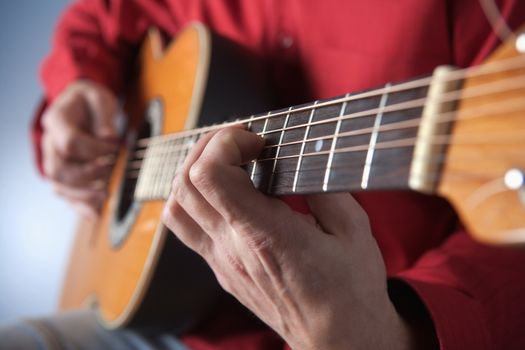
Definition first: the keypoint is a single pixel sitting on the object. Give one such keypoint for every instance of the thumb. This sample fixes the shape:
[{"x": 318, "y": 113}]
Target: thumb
[
  {"x": 339, "y": 214},
  {"x": 102, "y": 105}
]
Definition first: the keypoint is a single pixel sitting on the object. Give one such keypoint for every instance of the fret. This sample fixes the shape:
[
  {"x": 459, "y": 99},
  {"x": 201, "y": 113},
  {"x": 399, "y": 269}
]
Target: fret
[
  {"x": 249, "y": 167},
  {"x": 346, "y": 169},
  {"x": 250, "y": 121},
  {"x": 303, "y": 145},
  {"x": 175, "y": 164},
  {"x": 332, "y": 147},
  {"x": 373, "y": 139},
  {"x": 391, "y": 166},
  {"x": 254, "y": 166},
  {"x": 278, "y": 149},
  {"x": 285, "y": 167},
  {"x": 143, "y": 185},
  {"x": 159, "y": 188}
]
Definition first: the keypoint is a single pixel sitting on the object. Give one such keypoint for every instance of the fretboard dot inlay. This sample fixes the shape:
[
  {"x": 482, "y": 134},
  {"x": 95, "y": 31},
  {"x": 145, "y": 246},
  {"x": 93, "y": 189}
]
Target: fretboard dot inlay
[{"x": 319, "y": 145}]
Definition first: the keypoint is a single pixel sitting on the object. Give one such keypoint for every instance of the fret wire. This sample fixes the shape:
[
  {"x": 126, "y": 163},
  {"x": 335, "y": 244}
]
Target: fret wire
[
  {"x": 278, "y": 149},
  {"x": 332, "y": 147},
  {"x": 255, "y": 162},
  {"x": 172, "y": 169},
  {"x": 158, "y": 175},
  {"x": 373, "y": 139},
  {"x": 249, "y": 127},
  {"x": 307, "y": 130}
]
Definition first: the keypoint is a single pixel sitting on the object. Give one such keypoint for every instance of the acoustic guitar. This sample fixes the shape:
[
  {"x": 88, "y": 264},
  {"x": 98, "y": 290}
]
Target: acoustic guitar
[{"x": 459, "y": 133}]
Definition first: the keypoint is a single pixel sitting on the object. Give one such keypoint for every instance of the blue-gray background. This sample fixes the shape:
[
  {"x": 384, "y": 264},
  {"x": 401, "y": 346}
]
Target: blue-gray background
[{"x": 36, "y": 228}]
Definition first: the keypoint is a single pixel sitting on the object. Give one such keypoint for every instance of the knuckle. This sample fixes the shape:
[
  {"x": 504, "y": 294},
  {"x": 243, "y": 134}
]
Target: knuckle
[
  {"x": 67, "y": 146},
  {"x": 52, "y": 169},
  {"x": 178, "y": 188},
  {"x": 50, "y": 117},
  {"x": 202, "y": 172},
  {"x": 167, "y": 216},
  {"x": 227, "y": 134},
  {"x": 173, "y": 211},
  {"x": 235, "y": 264},
  {"x": 259, "y": 242}
]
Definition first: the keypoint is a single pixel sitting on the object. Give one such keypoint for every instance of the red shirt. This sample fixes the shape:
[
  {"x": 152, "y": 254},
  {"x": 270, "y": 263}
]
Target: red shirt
[{"x": 473, "y": 293}]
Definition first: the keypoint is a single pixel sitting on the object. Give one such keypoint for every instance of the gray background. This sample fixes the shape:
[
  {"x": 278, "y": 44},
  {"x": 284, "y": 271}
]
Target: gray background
[{"x": 36, "y": 228}]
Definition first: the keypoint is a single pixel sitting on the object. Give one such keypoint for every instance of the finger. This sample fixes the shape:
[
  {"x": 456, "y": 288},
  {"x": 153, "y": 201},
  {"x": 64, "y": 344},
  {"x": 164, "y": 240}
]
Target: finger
[
  {"x": 185, "y": 228},
  {"x": 87, "y": 203},
  {"x": 102, "y": 106},
  {"x": 93, "y": 197},
  {"x": 186, "y": 195},
  {"x": 75, "y": 144},
  {"x": 338, "y": 214},
  {"x": 76, "y": 174},
  {"x": 217, "y": 175}
]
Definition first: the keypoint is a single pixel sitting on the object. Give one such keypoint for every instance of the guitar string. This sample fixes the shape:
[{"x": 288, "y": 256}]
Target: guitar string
[
  {"x": 457, "y": 75},
  {"x": 164, "y": 189},
  {"x": 410, "y": 123},
  {"x": 433, "y": 158},
  {"x": 437, "y": 159},
  {"x": 438, "y": 139},
  {"x": 445, "y": 117}
]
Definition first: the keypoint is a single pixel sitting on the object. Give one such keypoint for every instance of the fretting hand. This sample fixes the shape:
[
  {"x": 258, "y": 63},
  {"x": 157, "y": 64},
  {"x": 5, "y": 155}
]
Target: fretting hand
[
  {"x": 318, "y": 280},
  {"x": 79, "y": 144}
]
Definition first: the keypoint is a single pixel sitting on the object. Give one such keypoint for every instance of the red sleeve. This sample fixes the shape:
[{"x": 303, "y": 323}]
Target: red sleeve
[{"x": 473, "y": 293}]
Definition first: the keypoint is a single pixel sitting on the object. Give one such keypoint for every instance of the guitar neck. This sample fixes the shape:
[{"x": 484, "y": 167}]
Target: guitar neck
[{"x": 355, "y": 142}]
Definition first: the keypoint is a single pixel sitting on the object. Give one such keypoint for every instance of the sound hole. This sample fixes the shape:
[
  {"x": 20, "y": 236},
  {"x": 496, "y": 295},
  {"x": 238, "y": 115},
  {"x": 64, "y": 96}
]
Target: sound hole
[
  {"x": 131, "y": 173},
  {"x": 126, "y": 207}
]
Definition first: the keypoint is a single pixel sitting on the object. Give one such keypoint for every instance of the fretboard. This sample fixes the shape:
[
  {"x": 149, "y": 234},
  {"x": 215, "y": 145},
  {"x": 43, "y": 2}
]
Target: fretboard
[{"x": 362, "y": 141}]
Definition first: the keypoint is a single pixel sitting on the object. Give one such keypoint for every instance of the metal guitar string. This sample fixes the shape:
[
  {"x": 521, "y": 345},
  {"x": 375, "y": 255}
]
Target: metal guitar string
[{"x": 480, "y": 91}]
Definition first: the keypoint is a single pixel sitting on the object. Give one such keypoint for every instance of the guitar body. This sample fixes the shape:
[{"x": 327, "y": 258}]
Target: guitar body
[
  {"x": 126, "y": 265},
  {"x": 133, "y": 272}
]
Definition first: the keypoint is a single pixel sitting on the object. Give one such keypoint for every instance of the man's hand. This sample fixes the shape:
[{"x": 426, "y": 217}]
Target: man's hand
[
  {"x": 79, "y": 144},
  {"x": 319, "y": 280}
]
